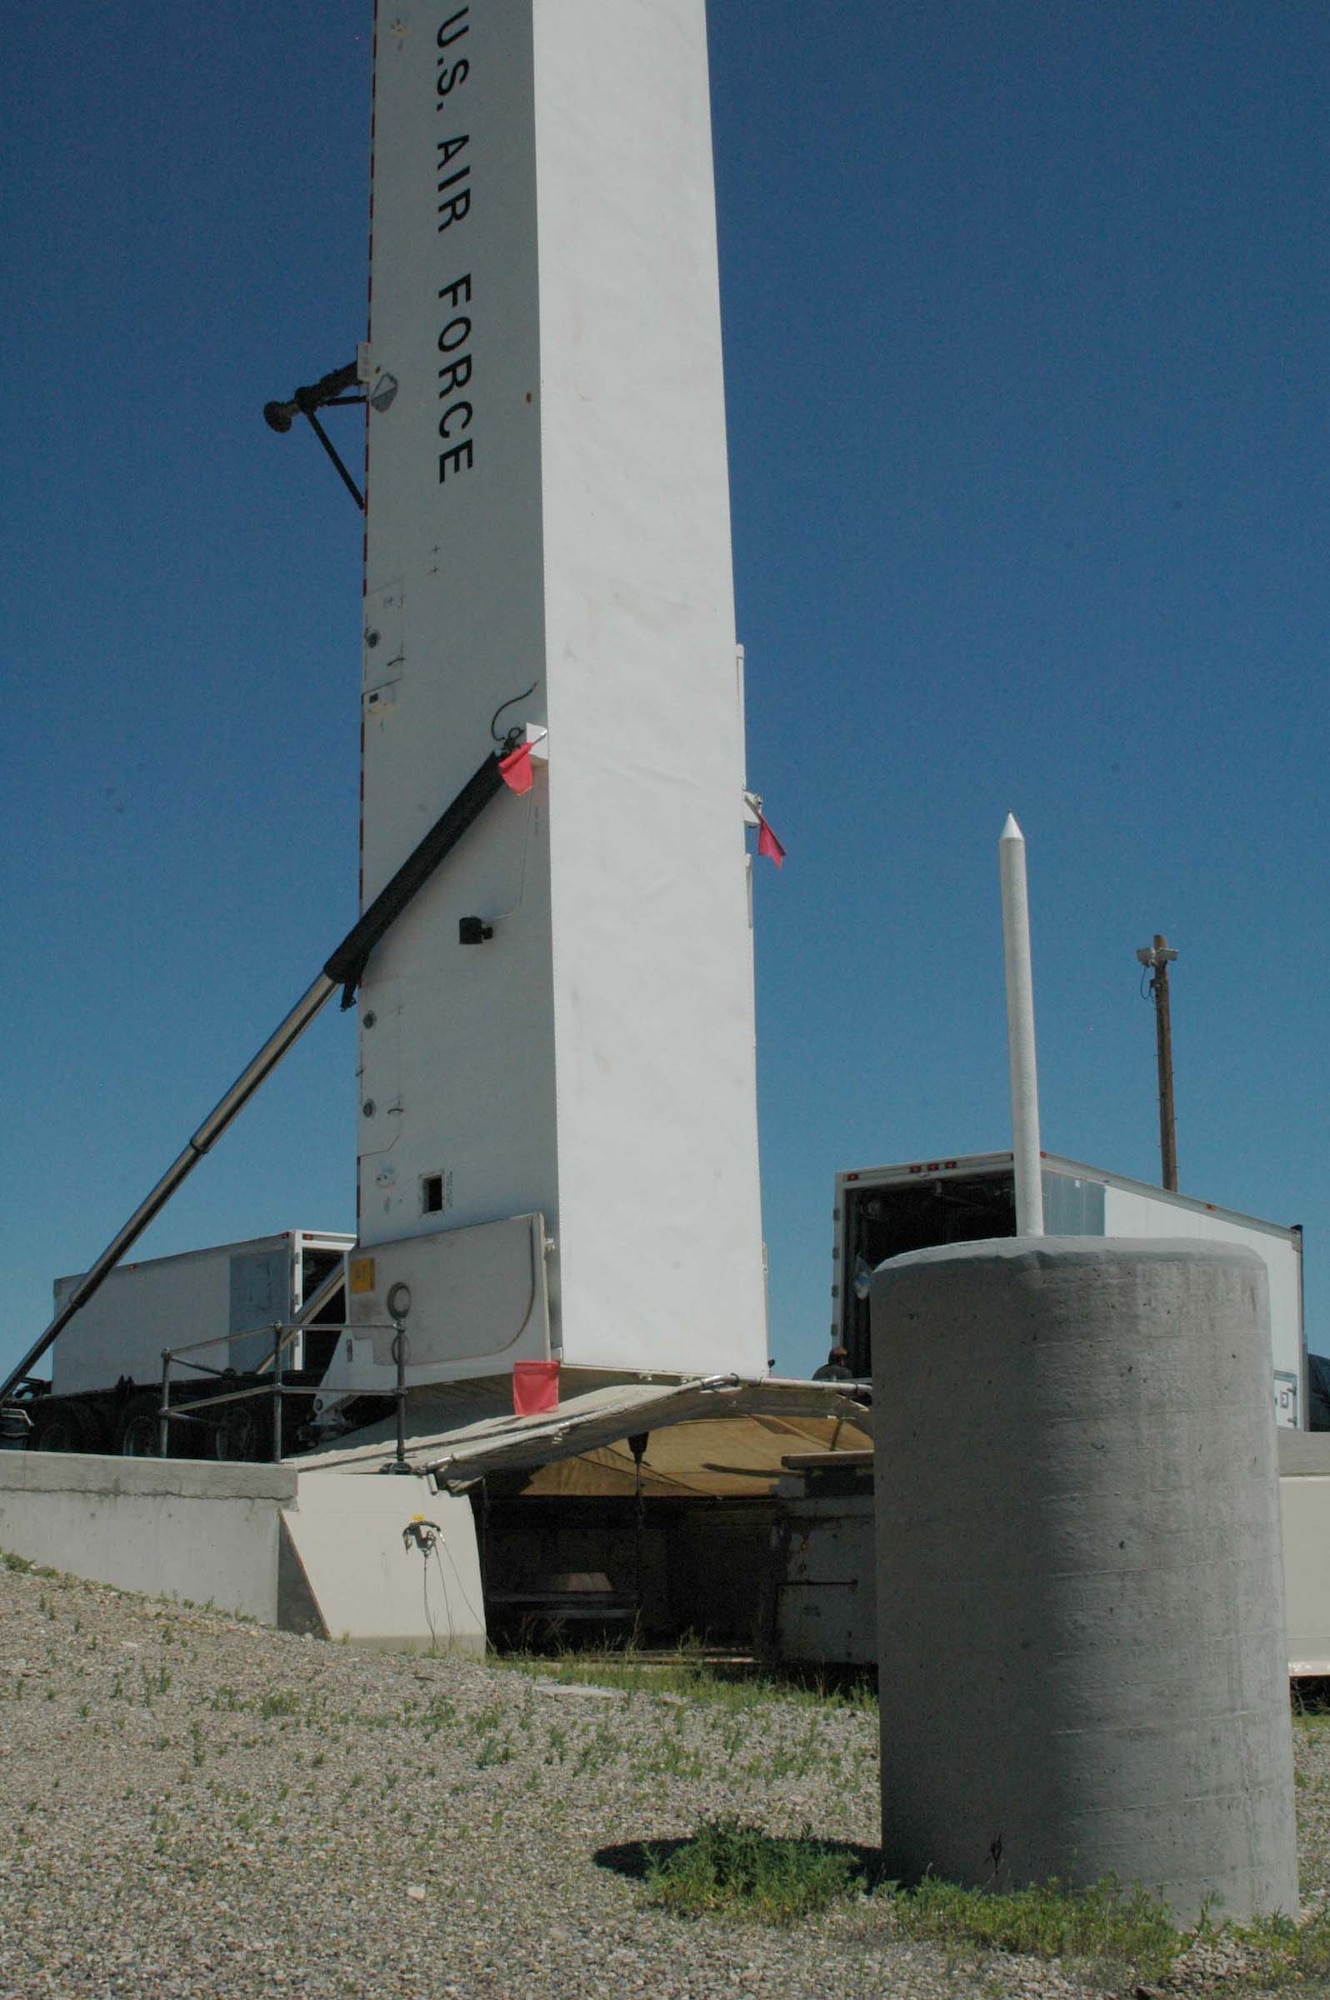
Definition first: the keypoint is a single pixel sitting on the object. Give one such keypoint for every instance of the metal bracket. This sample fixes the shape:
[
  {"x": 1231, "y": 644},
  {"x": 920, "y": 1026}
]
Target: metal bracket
[{"x": 328, "y": 393}]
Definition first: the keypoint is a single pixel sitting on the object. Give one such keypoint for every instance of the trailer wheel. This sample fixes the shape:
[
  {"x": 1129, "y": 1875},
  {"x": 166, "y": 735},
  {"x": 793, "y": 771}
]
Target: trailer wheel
[
  {"x": 137, "y": 1431},
  {"x": 64, "y": 1427},
  {"x": 243, "y": 1431},
  {"x": 95, "y": 1421}
]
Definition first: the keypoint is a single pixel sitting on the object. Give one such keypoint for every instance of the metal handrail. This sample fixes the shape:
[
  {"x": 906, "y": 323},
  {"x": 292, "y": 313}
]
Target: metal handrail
[{"x": 284, "y": 1333}]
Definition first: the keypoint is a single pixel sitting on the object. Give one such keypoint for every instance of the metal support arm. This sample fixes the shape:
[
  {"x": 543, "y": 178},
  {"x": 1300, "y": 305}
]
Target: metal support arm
[
  {"x": 329, "y": 392},
  {"x": 344, "y": 968}
]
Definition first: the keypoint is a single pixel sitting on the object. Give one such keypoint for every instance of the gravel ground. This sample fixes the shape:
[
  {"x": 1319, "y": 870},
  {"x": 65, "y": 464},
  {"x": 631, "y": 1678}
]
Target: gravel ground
[{"x": 194, "y": 1806}]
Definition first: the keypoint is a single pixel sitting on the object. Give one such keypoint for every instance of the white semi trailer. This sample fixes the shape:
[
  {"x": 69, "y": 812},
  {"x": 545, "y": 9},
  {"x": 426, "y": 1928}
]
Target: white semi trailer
[
  {"x": 223, "y": 1312},
  {"x": 881, "y": 1212}
]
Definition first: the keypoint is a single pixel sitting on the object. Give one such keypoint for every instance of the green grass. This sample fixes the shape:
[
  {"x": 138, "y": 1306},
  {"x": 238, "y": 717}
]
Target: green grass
[
  {"x": 732, "y": 1869},
  {"x": 282, "y": 1701},
  {"x": 22, "y": 1567},
  {"x": 1102, "y": 1923},
  {"x": 1290, "y": 1954},
  {"x": 735, "y": 1870},
  {"x": 726, "y": 1685}
]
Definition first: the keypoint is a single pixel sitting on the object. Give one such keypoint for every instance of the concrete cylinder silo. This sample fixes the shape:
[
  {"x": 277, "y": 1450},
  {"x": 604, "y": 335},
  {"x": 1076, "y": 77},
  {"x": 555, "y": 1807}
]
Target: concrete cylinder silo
[{"x": 1080, "y": 1599}]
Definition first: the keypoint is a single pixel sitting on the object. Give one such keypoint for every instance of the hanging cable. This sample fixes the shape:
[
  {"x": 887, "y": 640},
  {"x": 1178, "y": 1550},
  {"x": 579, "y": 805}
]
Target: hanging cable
[{"x": 510, "y": 703}]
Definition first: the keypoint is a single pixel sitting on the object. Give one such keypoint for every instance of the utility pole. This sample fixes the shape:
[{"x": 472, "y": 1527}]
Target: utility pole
[{"x": 1158, "y": 957}]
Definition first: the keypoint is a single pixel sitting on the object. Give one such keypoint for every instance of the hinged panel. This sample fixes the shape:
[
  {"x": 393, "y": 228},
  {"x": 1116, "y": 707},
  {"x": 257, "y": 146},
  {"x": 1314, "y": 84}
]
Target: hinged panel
[{"x": 472, "y": 1301}]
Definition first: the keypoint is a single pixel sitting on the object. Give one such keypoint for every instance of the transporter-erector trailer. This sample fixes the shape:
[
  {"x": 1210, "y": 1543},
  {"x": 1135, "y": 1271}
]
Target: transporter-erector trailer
[{"x": 553, "y": 968}]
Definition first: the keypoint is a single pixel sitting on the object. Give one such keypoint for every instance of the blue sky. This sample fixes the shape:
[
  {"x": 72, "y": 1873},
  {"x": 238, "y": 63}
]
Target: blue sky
[{"x": 1026, "y": 313}]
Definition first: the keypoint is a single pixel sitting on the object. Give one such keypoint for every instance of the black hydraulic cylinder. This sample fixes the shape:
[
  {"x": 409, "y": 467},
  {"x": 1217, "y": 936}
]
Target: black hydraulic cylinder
[{"x": 347, "y": 964}]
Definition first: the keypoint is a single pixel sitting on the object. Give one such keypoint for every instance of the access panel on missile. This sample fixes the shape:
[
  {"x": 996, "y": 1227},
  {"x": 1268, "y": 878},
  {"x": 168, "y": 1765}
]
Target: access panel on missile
[{"x": 561, "y": 1024}]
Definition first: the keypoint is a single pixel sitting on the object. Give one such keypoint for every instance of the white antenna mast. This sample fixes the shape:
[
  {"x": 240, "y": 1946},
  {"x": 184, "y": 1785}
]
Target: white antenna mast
[{"x": 1020, "y": 1032}]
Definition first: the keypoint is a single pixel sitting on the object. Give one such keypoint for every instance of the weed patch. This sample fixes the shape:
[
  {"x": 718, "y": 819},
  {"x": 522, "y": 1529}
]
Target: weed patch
[
  {"x": 1289, "y": 1954},
  {"x": 740, "y": 1871},
  {"x": 1103, "y": 1923}
]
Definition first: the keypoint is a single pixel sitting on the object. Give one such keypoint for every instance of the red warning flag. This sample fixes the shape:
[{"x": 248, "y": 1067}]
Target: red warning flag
[
  {"x": 535, "y": 1387},
  {"x": 515, "y": 768},
  {"x": 767, "y": 842}
]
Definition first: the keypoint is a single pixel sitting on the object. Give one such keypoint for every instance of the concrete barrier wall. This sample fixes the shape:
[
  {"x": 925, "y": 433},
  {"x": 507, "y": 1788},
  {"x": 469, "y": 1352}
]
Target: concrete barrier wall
[
  {"x": 369, "y": 1586},
  {"x": 170, "y": 1527},
  {"x": 297, "y": 1551},
  {"x": 319, "y": 1552}
]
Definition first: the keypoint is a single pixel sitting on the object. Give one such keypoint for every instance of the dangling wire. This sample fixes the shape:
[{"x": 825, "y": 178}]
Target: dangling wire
[
  {"x": 499, "y": 915},
  {"x": 461, "y": 1587},
  {"x": 507, "y": 737}
]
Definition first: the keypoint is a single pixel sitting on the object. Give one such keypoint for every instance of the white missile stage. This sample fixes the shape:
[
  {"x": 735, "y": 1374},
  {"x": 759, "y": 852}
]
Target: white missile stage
[{"x": 561, "y": 1023}]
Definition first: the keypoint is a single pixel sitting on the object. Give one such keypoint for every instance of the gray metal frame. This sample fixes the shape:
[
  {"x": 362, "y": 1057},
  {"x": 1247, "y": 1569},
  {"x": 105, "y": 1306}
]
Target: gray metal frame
[{"x": 284, "y": 1332}]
